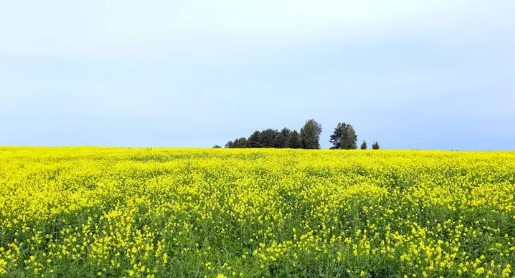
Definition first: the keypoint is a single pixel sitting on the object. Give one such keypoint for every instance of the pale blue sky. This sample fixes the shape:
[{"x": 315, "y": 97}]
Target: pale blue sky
[{"x": 430, "y": 74}]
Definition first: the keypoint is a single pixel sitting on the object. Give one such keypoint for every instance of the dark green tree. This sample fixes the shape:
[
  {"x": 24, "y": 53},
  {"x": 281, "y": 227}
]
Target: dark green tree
[
  {"x": 216, "y": 147},
  {"x": 282, "y": 138},
  {"x": 241, "y": 143},
  {"x": 254, "y": 140},
  {"x": 293, "y": 141},
  {"x": 229, "y": 144},
  {"x": 349, "y": 138},
  {"x": 364, "y": 145},
  {"x": 310, "y": 135},
  {"x": 336, "y": 137},
  {"x": 375, "y": 146},
  {"x": 344, "y": 137},
  {"x": 268, "y": 138}
]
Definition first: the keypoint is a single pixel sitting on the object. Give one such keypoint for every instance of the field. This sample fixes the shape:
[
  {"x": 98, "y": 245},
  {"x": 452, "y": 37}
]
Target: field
[{"x": 114, "y": 212}]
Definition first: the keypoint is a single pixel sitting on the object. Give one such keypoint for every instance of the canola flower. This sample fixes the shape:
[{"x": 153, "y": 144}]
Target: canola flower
[{"x": 119, "y": 212}]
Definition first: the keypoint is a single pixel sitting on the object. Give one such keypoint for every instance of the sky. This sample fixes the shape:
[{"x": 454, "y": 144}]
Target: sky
[{"x": 428, "y": 74}]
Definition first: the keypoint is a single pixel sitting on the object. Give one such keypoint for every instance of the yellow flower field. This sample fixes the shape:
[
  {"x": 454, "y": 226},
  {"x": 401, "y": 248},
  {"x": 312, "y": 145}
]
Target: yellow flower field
[{"x": 120, "y": 212}]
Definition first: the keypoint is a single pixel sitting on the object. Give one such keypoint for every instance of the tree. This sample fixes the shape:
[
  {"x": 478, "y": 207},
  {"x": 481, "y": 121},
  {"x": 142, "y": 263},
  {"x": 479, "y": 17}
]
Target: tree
[
  {"x": 375, "y": 146},
  {"x": 282, "y": 138},
  {"x": 238, "y": 143},
  {"x": 310, "y": 135},
  {"x": 344, "y": 137},
  {"x": 255, "y": 140},
  {"x": 364, "y": 145},
  {"x": 336, "y": 137},
  {"x": 216, "y": 147},
  {"x": 241, "y": 143},
  {"x": 349, "y": 138},
  {"x": 293, "y": 141},
  {"x": 268, "y": 138}
]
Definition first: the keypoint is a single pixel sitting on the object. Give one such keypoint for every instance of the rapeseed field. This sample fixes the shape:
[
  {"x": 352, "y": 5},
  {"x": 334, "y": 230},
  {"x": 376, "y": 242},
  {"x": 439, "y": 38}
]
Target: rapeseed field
[{"x": 120, "y": 212}]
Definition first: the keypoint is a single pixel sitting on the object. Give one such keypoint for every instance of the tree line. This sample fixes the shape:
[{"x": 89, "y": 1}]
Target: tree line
[{"x": 343, "y": 137}]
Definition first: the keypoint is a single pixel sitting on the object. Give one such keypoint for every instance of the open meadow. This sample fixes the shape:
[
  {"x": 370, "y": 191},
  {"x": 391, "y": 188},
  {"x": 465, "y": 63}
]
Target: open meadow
[{"x": 120, "y": 212}]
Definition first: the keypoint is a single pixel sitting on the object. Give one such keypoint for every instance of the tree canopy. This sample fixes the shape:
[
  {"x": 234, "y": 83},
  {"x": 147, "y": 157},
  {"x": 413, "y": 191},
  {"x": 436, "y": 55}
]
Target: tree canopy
[
  {"x": 363, "y": 145},
  {"x": 286, "y": 138},
  {"x": 344, "y": 137},
  {"x": 310, "y": 135},
  {"x": 375, "y": 146}
]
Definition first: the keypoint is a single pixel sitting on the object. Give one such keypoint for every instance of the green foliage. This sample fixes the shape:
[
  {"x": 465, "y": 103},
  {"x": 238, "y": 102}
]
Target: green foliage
[
  {"x": 364, "y": 145},
  {"x": 255, "y": 140},
  {"x": 310, "y": 135},
  {"x": 238, "y": 143},
  {"x": 268, "y": 138},
  {"x": 282, "y": 138},
  {"x": 293, "y": 141},
  {"x": 229, "y": 144},
  {"x": 344, "y": 137},
  {"x": 375, "y": 145}
]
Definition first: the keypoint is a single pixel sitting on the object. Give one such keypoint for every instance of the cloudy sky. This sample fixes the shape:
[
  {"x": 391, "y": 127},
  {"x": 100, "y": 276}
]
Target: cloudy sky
[{"x": 429, "y": 74}]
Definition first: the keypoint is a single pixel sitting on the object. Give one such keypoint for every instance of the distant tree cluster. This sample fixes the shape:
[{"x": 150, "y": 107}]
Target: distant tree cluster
[
  {"x": 375, "y": 146},
  {"x": 344, "y": 137},
  {"x": 308, "y": 138},
  {"x": 238, "y": 143}
]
